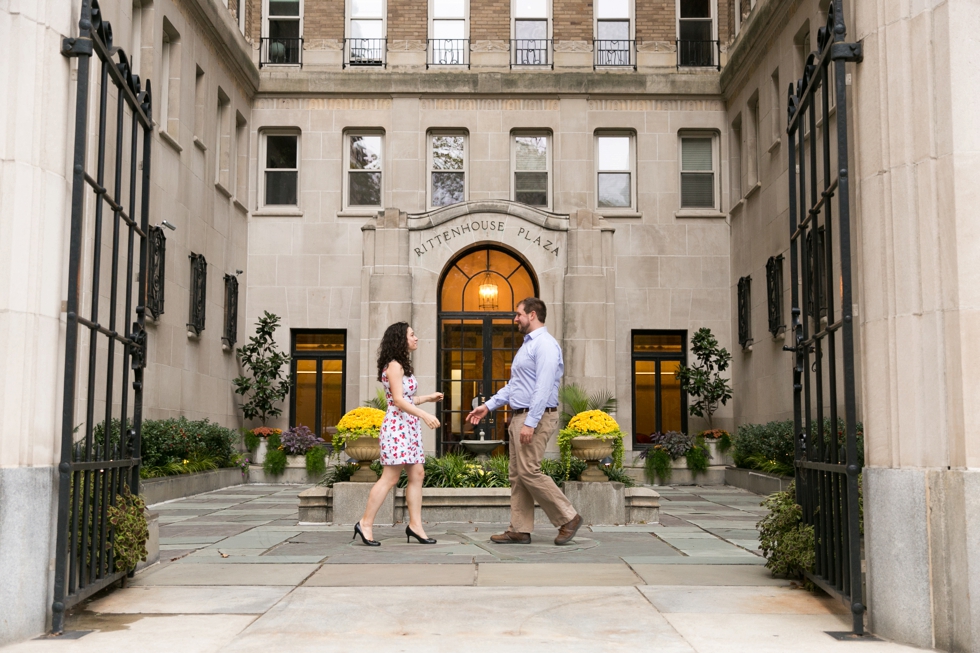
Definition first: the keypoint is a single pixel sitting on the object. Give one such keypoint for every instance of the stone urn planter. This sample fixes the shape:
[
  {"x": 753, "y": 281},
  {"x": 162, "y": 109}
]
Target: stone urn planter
[
  {"x": 717, "y": 457},
  {"x": 295, "y": 461},
  {"x": 592, "y": 450},
  {"x": 365, "y": 450}
]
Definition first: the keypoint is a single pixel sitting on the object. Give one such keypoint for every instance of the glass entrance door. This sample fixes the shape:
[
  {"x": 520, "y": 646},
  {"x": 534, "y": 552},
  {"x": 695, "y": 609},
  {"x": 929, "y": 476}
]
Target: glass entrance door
[
  {"x": 478, "y": 339},
  {"x": 476, "y": 355}
]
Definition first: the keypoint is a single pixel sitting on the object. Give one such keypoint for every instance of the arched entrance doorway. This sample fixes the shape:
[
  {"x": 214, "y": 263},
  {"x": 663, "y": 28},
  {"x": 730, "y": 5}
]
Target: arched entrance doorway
[{"x": 478, "y": 295}]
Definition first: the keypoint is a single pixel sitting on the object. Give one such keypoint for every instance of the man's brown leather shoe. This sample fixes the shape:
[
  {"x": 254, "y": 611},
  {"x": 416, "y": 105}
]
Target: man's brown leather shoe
[
  {"x": 567, "y": 532},
  {"x": 511, "y": 537}
]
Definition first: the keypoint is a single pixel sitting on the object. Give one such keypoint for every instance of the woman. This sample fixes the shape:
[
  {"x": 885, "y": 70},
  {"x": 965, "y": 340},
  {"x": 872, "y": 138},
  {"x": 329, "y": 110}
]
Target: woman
[{"x": 401, "y": 434}]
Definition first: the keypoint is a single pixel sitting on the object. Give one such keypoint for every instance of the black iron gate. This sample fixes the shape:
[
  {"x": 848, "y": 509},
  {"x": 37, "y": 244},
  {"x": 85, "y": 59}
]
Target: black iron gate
[
  {"x": 827, "y": 457},
  {"x": 104, "y": 455}
]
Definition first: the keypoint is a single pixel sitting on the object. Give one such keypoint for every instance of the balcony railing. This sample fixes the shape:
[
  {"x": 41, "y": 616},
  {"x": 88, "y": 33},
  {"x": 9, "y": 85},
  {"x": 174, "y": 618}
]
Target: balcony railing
[
  {"x": 448, "y": 52},
  {"x": 698, "y": 54},
  {"x": 614, "y": 54},
  {"x": 280, "y": 51},
  {"x": 531, "y": 52},
  {"x": 365, "y": 52}
]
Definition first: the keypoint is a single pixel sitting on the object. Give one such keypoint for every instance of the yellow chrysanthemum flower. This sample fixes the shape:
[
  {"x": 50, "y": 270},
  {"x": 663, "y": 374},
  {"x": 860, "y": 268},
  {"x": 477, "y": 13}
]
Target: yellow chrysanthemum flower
[
  {"x": 593, "y": 421},
  {"x": 361, "y": 419}
]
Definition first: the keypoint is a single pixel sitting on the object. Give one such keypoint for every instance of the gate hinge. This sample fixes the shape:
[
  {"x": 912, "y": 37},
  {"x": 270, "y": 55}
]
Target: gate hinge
[
  {"x": 76, "y": 47},
  {"x": 847, "y": 52}
]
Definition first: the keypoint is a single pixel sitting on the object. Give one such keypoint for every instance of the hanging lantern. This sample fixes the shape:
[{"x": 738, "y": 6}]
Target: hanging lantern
[{"x": 488, "y": 294}]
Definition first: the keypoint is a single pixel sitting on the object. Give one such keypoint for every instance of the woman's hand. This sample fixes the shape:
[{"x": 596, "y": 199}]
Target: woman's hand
[
  {"x": 430, "y": 420},
  {"x": 434, "y": 397}
]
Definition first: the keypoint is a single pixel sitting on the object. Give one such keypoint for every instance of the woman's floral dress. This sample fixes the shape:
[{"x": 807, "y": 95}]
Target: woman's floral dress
[{"x": 401, "y": 433}]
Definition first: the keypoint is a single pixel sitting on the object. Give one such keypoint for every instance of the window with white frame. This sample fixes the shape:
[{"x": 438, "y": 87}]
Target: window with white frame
[
  {"x": 614, "y": 33},
  {"x": 366, "y": 44},
  {"x": 696, "y": 33},
  {"x": 279, "y": 159},
  {"x": 169, "y": 105},
  {"x": 615, "y": 154},
  {"x": 283, "y": 32},
  {"x": 364, "y": 169},
  {"x": 698, "y": 171},
  {"x": 531, "y": 32},
  {"x": 449, "y": 32},
  {"x": 531, "y": 163},
  {"x": 447, "y": 169}
]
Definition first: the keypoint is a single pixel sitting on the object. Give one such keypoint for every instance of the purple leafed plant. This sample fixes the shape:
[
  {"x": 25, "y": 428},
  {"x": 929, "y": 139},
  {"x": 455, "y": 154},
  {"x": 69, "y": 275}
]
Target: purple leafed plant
[{"x": 298, "y": 440}]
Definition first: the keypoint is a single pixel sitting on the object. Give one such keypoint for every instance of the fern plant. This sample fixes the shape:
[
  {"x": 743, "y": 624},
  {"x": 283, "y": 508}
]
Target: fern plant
[{"x": 575, "y": 400}]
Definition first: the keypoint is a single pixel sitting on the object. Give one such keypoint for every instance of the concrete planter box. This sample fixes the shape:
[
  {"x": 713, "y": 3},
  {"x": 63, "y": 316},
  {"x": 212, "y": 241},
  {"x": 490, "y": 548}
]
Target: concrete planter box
[
  {"x": 289, "y": 476},
  {"x": 681, "y": 475},
  {"x": 168, "y": 488},
  {"x": 344, "y": 503},
  {"x": 719, "y": 459},
  {"x": 758, "y": 482}
]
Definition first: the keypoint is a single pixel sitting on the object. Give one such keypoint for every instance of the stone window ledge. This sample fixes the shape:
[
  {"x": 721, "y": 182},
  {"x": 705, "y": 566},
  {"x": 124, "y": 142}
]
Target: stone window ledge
[
  {"x": 170, "y": 140},
  {"x": 278, "y": 212},
  {"x": 699, "y": 213}
]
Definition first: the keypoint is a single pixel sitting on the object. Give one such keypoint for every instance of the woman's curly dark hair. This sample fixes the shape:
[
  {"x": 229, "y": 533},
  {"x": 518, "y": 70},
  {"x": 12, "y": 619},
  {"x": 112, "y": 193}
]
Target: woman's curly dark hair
[{"x": 394, "y": 347}]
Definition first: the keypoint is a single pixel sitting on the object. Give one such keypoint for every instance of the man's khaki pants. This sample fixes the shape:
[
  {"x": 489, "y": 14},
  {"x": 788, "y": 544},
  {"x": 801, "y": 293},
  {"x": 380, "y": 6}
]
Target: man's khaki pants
[{"x": 527, "y": 483}]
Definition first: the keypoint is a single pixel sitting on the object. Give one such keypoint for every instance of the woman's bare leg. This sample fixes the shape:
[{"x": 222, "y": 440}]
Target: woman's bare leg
[
  {"x": 388, "y": 480},
  {"x": 413, "y": 498}
]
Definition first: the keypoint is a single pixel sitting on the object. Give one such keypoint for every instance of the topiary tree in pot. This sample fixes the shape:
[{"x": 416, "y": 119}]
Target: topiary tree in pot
[
  {"x": 264, "y": 385},
  {"x": 703, "y": 382}
]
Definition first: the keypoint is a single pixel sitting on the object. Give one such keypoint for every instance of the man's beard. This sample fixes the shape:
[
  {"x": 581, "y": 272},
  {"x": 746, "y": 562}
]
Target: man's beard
[{"x": 523, "y": 328}]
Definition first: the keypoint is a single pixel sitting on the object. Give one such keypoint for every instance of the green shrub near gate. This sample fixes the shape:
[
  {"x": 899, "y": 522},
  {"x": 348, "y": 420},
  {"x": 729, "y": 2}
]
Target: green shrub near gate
[{"x": 770, "y": 447}]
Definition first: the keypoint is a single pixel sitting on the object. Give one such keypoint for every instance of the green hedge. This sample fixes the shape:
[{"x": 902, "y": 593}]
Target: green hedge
[
  {"x": 166, "y": 441},
  {"x": 771, "y": 448}
]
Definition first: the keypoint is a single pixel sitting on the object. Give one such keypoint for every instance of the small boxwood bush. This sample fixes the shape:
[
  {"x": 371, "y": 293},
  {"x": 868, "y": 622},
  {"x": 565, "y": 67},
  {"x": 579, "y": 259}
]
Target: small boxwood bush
[{"x": 771, "y": 447}]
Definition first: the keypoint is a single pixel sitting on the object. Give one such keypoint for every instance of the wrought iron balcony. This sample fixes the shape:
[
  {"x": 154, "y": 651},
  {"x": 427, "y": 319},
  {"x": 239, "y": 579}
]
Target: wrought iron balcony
[
  {"x": 365, "y": 52},
  {"x": 448, "y": 52},
  {"x": 614, "y": 54},
  {"x": 279, "y": 51},
  {"x": 698, "y": 54},
  {"x": 532, "y": 52}
]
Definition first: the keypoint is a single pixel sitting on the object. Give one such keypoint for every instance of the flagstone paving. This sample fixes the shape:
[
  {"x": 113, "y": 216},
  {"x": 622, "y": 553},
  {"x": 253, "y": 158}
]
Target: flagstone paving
[{"x": 238, "y": 573}]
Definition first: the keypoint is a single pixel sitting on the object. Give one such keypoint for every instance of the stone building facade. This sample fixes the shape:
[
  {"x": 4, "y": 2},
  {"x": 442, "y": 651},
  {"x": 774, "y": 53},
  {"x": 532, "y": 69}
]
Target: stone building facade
[{"x": 350, "y": 162}]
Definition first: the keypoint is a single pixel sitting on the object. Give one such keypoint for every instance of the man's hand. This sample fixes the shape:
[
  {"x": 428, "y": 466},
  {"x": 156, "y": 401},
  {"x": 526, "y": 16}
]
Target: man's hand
[
  {"x": 527, "y": 432},
  {"x": 477, "y": 414}
]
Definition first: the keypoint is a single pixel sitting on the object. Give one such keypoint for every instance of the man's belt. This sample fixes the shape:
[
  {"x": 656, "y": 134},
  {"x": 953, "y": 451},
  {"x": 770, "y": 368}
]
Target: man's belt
[{"x": 549, "y": 409}]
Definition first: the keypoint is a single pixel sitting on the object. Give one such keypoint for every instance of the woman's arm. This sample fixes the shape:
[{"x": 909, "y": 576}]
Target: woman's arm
[{"x": 395, "y": 376}]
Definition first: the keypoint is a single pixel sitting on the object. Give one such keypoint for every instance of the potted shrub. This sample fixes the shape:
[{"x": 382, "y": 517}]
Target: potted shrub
[
  {"x": 257, "y": 442},
  {"x": 668, "y": 448},
  {"x": 357, "y": 434},
  {"x": 304, "y": 449},
  {"x": 591, "y": 436},
  {"x": 719, "y": 443}
]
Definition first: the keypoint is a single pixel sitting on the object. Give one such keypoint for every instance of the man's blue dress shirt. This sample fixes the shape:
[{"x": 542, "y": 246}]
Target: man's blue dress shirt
[{"x": 535, "y": 375}]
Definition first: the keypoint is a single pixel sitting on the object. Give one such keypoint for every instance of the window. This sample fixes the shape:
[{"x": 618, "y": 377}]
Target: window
[
  {"x": 366, "y": 41},
  {"x": 735, "y": 156},
  {"x": 775, "y": 106},
  {"x": 229, "y": 334},
  {"x": 170, "y": 74},
  {"x": 698, "y": 171},
  {"x": 531, "y": 162},
  {"x": 745, "y": 312},
  {"x": 223, "y": 161},
  {"x": 319, "y": 379},
  {"x": 613, "y": 29},
  {"x": 614, "y": 170},
  {"x": 241, "y": 157},
  {"x": 136, "y": 42},
  {"x": 447, "y": 169},
  {"x": 696, "y": 40},
  {"x": 774, "y": 294},
  {"x": 198, "y": 294},
  {"x": 282, "y": 27},
  {"x": 449, "y": 32},
  {"x": 531, "y": 30},
  {"x": 659, "y": 404},
  {"x": 365, "y": 166},
  {"x": 281, "y": 169},
  {"x": 200, "y": 94},
  {"x": 752, "y": 143}
]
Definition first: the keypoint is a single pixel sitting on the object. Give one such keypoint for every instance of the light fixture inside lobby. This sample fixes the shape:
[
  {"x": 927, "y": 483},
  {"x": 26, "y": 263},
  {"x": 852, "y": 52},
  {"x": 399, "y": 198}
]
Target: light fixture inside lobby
[{"x": 488, "y": 294}]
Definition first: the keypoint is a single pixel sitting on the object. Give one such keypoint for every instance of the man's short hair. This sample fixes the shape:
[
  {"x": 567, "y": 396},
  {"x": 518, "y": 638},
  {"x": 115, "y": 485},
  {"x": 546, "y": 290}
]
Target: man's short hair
[{"x": 536, "y": 306}]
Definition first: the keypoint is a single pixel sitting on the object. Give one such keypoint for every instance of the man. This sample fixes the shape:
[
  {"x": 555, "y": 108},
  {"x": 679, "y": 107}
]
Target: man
[{"x": 533, "y": 396}]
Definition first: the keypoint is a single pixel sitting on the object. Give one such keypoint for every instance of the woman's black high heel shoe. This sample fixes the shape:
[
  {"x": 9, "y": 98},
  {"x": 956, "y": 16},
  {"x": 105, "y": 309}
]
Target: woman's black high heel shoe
[
  {"x": 409, "y": 533},
  {"x": 366, "y": 541}
]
